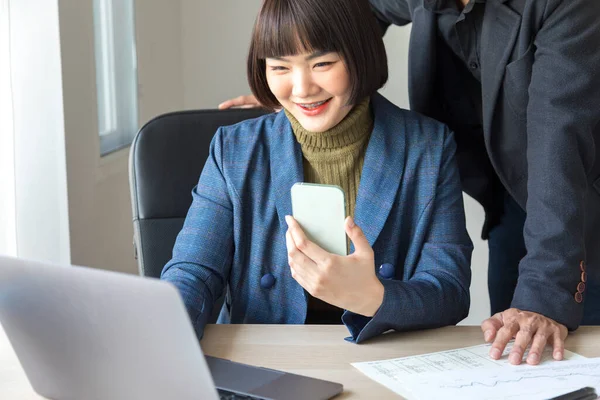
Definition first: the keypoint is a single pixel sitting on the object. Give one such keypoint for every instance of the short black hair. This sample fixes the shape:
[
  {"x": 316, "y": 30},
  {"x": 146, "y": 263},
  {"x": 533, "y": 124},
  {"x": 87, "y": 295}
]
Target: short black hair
[{"x": 290, "y": 27}]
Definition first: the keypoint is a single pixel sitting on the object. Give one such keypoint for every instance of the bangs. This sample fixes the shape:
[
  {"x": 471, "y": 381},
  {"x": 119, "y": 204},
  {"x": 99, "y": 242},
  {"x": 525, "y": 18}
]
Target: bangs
[
  {"x": 286, "y": 29},
  {"x": 290, "y": 27}
]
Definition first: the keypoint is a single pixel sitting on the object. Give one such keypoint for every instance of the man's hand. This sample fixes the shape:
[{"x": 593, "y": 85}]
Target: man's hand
[
  {"x": 240, "y": 102},
  {"x": 348, "y": 282},
  {"x": 526, "y": 328}
]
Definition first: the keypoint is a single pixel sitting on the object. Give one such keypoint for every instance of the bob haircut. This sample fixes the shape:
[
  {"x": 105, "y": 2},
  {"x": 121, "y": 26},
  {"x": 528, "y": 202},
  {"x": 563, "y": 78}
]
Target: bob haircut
[{"x": 290, "y": 27}]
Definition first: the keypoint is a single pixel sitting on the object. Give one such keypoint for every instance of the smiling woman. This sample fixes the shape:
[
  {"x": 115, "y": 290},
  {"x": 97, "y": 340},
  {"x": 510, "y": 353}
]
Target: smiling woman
[
  {"x": 315, "y": 88},
  {"x": 323, "y": 62},
  {"x": 286, "y": 28}
]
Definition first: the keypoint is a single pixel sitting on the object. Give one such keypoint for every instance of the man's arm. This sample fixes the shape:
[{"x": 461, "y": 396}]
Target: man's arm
[
  {"x": 562, "y": 115},
  {"x": 390, "y": 12},
  {"x": 563, "y": 111}
]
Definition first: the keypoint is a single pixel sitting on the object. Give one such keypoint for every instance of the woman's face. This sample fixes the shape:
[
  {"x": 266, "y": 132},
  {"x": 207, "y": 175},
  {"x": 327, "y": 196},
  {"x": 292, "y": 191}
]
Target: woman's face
[{"x": 315, "y": 88}]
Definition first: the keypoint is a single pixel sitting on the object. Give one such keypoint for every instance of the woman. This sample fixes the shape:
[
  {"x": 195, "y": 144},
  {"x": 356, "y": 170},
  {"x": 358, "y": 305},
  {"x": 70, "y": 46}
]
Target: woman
[{"x": 410, "y": 253}]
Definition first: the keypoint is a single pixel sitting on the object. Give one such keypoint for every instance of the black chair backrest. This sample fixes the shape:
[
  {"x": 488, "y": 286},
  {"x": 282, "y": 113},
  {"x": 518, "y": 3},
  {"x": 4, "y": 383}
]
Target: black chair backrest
[{"x": 165, "y": 162}]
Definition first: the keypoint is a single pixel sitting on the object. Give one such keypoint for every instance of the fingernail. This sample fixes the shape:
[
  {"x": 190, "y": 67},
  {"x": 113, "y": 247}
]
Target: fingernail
[
  {"x": 558, "y": 355},
  {"x": 514, "y": 358},
  {"x": 350, "y": 222},
  {"x": 487, "y": 335},
  {"x": 495, "y": 354},
  {"x": 533, "y": 358}
]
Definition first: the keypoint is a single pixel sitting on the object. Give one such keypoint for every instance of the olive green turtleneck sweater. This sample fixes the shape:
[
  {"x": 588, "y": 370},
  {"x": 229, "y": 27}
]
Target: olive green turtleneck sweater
[{"x": 335, "y": 157}]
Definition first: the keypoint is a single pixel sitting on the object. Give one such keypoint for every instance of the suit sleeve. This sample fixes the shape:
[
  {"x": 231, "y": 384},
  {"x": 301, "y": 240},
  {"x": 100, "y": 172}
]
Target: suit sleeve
[
  {"x": 562, "y": 113},
  {"x": 437, "y": 294},
  {"x": 203, "y": 251},
  {"x": 391, "y": 12}
]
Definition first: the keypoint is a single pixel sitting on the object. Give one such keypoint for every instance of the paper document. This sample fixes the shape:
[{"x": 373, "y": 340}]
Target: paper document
[
  {"x": 526, "y": 382},
  {"x": 396, "y": 373}
]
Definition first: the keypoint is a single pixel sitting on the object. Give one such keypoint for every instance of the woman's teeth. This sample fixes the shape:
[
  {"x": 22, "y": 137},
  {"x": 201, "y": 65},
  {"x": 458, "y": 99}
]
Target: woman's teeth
[{"x": 314, "y": 105}]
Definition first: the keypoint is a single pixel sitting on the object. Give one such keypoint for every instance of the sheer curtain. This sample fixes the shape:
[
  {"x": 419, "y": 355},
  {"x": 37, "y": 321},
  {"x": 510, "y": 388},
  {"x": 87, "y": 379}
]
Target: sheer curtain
[
  {"x": 34, "y": 220},
  {"x": 8, "y": 240}
]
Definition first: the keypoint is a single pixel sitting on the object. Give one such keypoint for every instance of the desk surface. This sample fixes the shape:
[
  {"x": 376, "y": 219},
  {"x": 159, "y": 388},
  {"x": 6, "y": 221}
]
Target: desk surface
[{"x": 317, "y": 351}]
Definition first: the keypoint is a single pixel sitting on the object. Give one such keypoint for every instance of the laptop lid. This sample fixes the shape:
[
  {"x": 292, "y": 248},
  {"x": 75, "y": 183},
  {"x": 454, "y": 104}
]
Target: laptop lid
[{"x": 81, "y": 333}]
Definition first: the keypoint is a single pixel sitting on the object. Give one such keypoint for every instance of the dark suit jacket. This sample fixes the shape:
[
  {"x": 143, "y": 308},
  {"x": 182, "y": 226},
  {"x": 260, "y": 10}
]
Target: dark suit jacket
[{"x": 540, "y": 67}]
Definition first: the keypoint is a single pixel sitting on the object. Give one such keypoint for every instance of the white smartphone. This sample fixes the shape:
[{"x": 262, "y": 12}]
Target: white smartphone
[{"x": 321, "y": 210}]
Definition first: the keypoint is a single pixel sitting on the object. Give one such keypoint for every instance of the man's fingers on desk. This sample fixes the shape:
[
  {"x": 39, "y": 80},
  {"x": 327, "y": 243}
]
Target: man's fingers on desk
[
  {"x": 524, "y": 337},
  {"x": 491, "y": 326},
  {"x": 558, "y": 342},
  {"x": 504, "y": 335},
  {"x": 537, "y": 348}
]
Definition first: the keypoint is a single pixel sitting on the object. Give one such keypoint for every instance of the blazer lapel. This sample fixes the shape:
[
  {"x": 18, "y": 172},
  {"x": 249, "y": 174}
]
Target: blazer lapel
[
  {"x": 500, "y": 25},
  {"x": 286, "y": 165},
  {"x": 382, "y": 170},
  {"x": 380, "y": 178}
]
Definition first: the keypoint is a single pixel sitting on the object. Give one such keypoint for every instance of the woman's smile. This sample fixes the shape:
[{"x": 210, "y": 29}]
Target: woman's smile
[{"x": 313, "y": 109}]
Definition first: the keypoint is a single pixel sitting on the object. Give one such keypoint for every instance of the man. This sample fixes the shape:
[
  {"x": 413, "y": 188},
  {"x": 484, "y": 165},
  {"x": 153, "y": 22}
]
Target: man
[{"x": 519, "y": 83}]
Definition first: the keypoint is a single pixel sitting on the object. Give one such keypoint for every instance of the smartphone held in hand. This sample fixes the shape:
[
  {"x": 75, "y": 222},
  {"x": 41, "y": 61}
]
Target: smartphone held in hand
[{"x": 321, "y": 210}]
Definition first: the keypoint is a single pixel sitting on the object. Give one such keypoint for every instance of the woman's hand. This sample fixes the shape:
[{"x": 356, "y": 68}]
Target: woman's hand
[{"x": 348, "y": 282}]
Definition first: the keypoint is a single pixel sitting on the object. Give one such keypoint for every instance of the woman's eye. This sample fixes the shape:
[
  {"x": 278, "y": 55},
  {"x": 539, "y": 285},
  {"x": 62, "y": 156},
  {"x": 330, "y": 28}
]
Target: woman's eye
[
  {"x": 323, "y": 64},
  {"x": 277, "y": 68}
]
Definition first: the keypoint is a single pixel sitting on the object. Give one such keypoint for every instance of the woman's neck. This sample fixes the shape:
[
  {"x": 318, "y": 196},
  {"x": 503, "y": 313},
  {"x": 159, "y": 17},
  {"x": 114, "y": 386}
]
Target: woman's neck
[{"x": 350, "y": 130}]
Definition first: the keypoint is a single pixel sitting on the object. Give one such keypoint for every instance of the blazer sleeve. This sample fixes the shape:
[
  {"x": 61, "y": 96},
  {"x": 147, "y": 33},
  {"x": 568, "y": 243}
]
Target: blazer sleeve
[
  {"x": 437, "y": 294},
  {"x": 562, "y": 113},
  {"x": 390, "y": 12},
  {"x": 203, "y": 251}
]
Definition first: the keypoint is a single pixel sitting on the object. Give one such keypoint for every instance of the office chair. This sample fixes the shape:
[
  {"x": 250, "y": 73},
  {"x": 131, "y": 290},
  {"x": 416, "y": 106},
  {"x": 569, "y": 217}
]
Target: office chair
[{"x": 165, "y": 161}]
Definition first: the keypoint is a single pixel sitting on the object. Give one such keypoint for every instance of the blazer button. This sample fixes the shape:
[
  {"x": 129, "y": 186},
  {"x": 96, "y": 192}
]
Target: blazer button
[
  {"x": 578, "y": 297},
  {"x": 582, "y": 266},
  {"x": 581, "y": 287},
  {"x": 583, "y": 277},
  {"x": 267, "y": 281},
  {"x": 387, "y": 271}
]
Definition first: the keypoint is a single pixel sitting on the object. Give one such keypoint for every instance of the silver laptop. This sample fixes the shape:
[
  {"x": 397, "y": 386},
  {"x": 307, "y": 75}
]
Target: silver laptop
[{"x": 81, "y": 333}]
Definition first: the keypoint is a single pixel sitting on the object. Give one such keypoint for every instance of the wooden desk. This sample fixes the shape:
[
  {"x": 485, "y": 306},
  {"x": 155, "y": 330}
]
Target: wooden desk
[{"x": 318, "y": 351}]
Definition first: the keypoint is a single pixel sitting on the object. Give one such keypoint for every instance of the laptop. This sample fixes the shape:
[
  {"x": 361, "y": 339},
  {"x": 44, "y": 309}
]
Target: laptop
[{"x": 81, "y": 333}]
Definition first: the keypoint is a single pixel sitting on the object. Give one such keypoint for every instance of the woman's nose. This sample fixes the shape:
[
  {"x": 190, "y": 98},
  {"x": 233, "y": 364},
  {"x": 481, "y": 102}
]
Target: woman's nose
[{"x": 303, "y": 85}]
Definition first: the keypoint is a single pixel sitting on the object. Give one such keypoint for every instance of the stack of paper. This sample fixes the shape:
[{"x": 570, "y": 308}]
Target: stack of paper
[{"x": 469, "y": 373}]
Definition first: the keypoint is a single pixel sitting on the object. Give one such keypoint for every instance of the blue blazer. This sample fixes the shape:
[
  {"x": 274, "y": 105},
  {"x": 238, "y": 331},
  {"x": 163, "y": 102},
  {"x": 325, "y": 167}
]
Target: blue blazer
[{"x": 409, "y": 205}]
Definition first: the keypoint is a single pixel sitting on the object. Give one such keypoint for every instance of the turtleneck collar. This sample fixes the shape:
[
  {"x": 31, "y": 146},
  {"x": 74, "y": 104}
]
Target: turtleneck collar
[{"x": 350, "y": 131}]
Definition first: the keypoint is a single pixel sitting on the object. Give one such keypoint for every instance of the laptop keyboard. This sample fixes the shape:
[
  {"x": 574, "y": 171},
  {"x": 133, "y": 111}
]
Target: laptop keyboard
[{"x": 226, "y": 395}]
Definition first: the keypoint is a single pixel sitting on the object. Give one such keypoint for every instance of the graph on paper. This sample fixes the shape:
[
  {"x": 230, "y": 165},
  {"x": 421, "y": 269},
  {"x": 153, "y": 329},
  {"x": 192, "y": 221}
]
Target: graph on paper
[
  {"x": 539, "y": 382},
  {"x": 395, "y": 374}
]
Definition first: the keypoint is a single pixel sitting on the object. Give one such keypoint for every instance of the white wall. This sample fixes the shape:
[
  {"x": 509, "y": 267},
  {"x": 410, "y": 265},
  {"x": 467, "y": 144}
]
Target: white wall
[
  {"x": 99, "y": 203},
  {"x": 160, "y": 57},
  {"x": 216, "y": 35}
]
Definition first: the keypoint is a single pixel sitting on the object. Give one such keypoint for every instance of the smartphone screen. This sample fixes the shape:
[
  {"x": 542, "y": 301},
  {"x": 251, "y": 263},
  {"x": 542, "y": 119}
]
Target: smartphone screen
[{"x": 321, "y": 210}]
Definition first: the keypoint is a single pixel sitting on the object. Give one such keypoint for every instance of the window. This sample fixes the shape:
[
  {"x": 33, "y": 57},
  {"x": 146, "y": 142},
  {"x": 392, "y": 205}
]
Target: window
[{"x": 116, "y": 73}]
